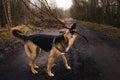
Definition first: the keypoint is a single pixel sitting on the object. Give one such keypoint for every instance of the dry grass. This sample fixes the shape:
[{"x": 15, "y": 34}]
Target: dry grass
[
  {"x": 6, "y": 35},
  {"x": 109, "y": 32}
]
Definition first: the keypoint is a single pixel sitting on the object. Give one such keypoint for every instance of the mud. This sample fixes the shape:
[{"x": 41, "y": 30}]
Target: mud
[{"x": 96, "y": 60}]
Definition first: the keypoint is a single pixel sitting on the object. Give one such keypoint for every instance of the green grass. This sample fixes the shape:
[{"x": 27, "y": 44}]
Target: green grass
[
  {"x": 6, "y": 35},
  {"x": 110, "y": 32}
]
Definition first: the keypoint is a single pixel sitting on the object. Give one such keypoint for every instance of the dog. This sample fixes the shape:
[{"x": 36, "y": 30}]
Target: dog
[{"x": 57, "y": 46}]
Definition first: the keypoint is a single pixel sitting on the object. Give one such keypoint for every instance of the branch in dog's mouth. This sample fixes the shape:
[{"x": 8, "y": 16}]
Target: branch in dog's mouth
[
  {"x": 82, "y": 36},
  {"x": 66, "y": 27}
]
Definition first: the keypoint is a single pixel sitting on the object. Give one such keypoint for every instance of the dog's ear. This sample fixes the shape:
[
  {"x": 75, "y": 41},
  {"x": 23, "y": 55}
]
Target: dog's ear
[
  {"x": 73, "y": 26},
  {"x": 62, "y": 31}
]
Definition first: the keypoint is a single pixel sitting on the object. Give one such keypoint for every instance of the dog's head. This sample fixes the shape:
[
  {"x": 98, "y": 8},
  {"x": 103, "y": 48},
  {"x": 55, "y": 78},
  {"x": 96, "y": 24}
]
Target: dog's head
[{"x": 69, "y": 31}]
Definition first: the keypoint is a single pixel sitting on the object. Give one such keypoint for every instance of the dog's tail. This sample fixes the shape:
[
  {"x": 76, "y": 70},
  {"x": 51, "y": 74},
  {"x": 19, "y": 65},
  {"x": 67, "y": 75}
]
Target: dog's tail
[{"x": 19, "y": 34}]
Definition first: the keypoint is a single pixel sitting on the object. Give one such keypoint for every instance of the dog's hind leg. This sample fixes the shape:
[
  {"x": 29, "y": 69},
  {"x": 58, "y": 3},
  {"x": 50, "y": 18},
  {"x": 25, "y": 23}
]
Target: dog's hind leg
[
  {"x": 30, "y": 49},
  {"x": 37, "y": 52},
  {"x": 65, "y": 62}
]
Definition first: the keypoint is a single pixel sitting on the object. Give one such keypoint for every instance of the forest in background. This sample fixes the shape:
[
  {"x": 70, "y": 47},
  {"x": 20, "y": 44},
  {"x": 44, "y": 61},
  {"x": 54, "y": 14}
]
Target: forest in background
[
  {"x": 40, "y": 12},
  {"x": 98, "y": 11},
  {"x": 36, "y": 12}
]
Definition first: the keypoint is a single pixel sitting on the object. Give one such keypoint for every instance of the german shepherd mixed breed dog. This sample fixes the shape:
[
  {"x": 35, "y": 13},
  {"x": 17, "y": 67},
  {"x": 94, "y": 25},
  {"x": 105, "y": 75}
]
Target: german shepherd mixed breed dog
[{"x": 57, "y": 46}]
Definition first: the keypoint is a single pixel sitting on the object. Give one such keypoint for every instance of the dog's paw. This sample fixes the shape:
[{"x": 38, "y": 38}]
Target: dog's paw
[
  {"x": 53, "y": 65},
  {"x": 35, "y": 66},
  {"x": 62, "y": 53},
  {"x": 69, "y": 67},
  {"x": 51, "y": 74},
  {"x": 34, "y": 71}
]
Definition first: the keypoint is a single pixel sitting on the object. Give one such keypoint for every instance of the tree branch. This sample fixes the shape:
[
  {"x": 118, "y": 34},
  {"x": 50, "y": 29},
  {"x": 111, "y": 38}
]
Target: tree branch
[{"x": 47, "y": 10}]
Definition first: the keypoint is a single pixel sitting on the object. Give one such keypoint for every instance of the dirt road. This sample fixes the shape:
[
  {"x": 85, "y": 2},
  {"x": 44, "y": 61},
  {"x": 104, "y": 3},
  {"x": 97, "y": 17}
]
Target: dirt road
[{"x": 96, "y": 60}]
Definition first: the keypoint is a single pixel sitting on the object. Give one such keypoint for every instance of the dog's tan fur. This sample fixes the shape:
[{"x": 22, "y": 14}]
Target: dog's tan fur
[{"x": 32, "y": 52}]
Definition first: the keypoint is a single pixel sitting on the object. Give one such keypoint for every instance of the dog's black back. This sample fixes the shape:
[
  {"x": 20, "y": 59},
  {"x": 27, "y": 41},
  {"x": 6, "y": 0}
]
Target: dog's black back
[{"x": 44, "y": 41}]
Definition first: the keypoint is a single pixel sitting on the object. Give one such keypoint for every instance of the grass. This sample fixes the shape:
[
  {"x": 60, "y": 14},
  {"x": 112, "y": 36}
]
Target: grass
[
  {"x": 6, "y": 35},
  {"x": 109, "y": 32}
]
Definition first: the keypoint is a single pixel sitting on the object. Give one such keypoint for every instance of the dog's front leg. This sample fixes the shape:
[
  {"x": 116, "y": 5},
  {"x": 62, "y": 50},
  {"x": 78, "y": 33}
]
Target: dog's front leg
[
  {"x": 65, "y": 62},
  {"x": 50, "y": 65}
]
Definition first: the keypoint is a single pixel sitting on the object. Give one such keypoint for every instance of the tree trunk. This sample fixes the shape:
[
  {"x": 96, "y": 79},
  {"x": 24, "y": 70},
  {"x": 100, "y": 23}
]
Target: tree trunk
[
  {"x": 4, "y": 19},
  {"x": 9, "y": 12},
  {"x": 6, "y": 13}
]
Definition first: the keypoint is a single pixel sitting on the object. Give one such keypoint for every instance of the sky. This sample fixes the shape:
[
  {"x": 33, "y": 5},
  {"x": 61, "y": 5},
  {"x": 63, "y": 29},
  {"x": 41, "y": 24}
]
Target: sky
[{"x": 64, "y": 4}]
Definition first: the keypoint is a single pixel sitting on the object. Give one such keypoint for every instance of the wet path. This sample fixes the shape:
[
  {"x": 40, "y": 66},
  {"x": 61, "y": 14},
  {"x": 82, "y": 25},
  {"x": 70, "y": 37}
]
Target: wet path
[{"x": 95, "y": 60}]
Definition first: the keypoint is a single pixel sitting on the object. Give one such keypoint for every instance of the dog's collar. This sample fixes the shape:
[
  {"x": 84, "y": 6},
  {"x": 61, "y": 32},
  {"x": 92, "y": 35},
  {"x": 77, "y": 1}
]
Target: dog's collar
[
  {"x": 60, "y": 50},
  {"x": 53, "y": 45}
]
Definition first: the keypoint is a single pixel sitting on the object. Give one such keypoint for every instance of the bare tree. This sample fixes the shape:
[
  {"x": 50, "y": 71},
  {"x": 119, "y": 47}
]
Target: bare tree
[
  {"x": 9, "y": 12},
  {"x": 5, "y": 14},
  {"x": 16, "y": 12},
  {"x": 100, "y": 11},
  {"x": 46, "y": 10}
]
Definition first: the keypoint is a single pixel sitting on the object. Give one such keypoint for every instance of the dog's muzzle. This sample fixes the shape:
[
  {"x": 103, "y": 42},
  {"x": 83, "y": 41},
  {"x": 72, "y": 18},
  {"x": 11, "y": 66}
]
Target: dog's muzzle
[{"x": 75, "y": 31}]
